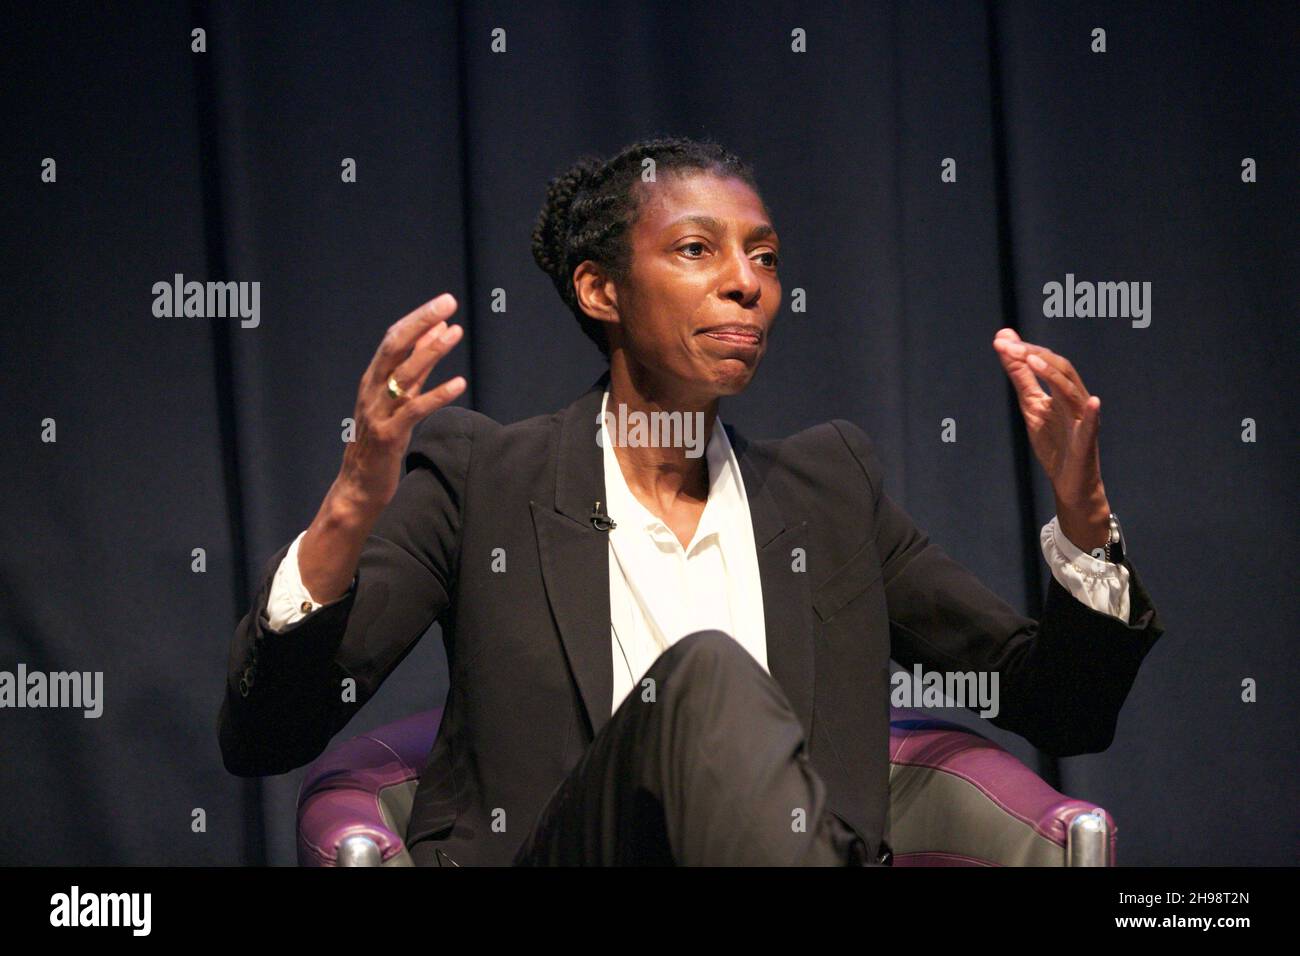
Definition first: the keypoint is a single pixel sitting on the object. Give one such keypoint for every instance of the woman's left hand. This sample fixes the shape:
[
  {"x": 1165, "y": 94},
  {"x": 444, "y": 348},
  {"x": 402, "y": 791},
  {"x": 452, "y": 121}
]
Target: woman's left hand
[{"x": 1062, "y": 430}]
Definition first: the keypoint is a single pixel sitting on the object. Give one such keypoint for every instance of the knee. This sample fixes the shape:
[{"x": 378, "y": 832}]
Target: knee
[{"x": 704, "y": 655}]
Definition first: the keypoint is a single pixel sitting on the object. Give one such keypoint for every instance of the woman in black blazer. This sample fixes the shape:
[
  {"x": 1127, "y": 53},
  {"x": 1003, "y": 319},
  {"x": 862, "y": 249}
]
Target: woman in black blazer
[{"x": 668, "y": 258}]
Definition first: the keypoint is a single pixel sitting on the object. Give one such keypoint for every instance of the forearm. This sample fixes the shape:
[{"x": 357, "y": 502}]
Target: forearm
[
  {"x": 330, "y": 549},
  {"x": 1086, "y": 523},
  {"x": 282, "y": 702}
]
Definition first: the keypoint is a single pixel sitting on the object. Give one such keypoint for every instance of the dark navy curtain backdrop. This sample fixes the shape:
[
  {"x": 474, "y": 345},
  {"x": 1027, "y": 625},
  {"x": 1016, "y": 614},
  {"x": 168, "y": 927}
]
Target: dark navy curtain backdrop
[{"x": 182, "y": 433}]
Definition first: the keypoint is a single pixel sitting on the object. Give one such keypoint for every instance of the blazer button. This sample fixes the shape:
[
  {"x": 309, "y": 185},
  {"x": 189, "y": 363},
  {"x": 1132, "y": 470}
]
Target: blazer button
[{"x": 243, "y": 687}]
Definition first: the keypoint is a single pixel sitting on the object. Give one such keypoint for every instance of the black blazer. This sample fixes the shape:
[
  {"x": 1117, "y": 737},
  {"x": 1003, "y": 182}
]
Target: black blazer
[{"x": 528, "y": 649}]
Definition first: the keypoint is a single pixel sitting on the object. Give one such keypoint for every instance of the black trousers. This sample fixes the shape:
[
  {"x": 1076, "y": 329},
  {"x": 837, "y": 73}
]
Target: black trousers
[{"x": 703, "y": 764}]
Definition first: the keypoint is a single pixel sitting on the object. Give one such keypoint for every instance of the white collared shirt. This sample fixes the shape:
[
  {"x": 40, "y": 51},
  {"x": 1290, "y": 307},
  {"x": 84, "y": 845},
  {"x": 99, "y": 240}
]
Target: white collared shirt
[{"x": 660, "y": 591}]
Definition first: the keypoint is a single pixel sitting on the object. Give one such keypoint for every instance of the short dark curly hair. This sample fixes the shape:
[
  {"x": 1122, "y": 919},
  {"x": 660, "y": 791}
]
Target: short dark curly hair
[{"x": 591, "y": 208}]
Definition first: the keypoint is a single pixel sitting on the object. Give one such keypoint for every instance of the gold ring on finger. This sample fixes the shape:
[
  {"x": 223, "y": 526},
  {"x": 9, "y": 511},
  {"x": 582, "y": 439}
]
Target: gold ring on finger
[{"x": 395, "y": 391}]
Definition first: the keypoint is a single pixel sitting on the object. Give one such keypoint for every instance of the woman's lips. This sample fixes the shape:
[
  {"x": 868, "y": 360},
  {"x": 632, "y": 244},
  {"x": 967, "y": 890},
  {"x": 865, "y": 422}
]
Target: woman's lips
[{"x": 743, "y": 338}]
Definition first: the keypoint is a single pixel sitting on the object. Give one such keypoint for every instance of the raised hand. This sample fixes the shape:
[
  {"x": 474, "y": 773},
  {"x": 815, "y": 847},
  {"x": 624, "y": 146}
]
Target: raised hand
[
  {"x": 372, "y": 464},
  {"x": 412, "y": 346},
  {"x": 1062, "y": 427}
]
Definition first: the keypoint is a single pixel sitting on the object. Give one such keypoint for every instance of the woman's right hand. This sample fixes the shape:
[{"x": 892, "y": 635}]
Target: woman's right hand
[
  {"x": 372, "y": 463},
  {"x": 412, "y": 346}
]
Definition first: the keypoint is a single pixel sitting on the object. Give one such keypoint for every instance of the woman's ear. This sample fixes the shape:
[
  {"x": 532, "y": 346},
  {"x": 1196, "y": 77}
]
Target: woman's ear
[{"x": 596, "y": 292}]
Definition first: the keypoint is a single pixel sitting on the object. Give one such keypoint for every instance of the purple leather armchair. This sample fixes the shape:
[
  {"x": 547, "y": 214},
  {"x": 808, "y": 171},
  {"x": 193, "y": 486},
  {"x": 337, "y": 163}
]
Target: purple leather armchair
[{"x": 956, "y": 799}]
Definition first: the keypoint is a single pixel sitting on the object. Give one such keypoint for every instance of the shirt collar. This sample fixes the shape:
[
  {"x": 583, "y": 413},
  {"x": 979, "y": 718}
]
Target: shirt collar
[{"x": 725, "y": 487}]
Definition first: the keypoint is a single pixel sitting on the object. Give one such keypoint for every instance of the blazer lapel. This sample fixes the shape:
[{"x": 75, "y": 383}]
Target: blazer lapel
[
  {"x": 575, "y": 556},
  {"x": 787, "y": 600}
]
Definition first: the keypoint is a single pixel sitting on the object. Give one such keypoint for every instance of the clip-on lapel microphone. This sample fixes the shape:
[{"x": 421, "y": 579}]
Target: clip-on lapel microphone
[{"x": 599, "y": 520}]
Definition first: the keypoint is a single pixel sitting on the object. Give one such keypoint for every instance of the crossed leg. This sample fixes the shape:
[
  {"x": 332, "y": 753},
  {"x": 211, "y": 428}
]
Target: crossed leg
[{"x": 704, "y": 766}]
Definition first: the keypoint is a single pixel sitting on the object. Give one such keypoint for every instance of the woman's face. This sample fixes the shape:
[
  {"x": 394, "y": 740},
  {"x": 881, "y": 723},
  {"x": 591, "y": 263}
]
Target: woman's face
[{"x": 703, "y": 292}]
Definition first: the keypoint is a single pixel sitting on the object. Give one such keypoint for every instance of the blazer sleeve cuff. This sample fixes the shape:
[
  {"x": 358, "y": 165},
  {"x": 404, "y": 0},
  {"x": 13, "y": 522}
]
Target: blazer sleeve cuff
[
  {"x": 1098, "y": 584},
  {"x": 1070, "y": 615}
]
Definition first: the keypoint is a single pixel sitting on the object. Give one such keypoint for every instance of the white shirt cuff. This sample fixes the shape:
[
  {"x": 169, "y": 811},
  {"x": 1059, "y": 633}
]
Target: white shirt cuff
[
  {"x": 1100, "y": 585},
  {"x": 289, "y": 600}
]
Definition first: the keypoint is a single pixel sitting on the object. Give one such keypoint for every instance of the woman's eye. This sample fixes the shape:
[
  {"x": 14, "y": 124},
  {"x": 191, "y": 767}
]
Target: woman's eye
[
  {"x": 773, "y": 256},
  {"x": 692, "y": 245}
]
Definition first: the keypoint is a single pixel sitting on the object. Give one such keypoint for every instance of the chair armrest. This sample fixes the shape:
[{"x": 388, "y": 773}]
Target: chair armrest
[
  {"x": 363, "y": 787},
  {"x": 958, "y": 799}
]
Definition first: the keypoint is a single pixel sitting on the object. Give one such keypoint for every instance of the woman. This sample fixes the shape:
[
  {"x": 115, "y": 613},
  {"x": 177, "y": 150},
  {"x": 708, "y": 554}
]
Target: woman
[{"x": 664, "y": 646}]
